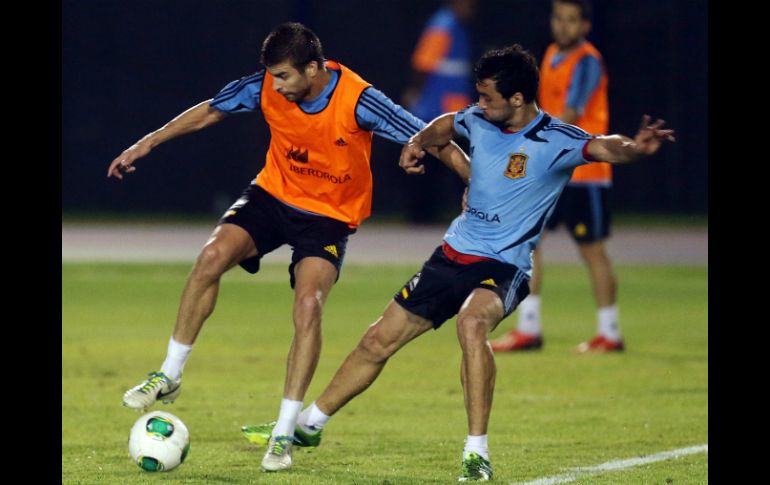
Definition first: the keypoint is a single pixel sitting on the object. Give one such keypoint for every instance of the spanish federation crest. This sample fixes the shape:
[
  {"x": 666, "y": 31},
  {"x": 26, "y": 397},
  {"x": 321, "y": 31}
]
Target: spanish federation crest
[{"x": 517, "y": 166}]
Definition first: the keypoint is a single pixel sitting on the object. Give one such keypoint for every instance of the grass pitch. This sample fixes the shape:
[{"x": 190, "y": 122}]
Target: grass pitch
[{"x": 553, "y": 410}]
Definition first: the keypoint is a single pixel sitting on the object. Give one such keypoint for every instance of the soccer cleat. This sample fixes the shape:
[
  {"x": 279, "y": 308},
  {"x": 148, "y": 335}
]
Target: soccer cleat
[
  {"x": 158, "y": 387},
  {"x": 475, "y": 468},
  {"x": 514, "y": 341},
  {"x": 278, "y": 454},
  {"x": 260, "y": 435},
  {"x": 601, "y": 344}
]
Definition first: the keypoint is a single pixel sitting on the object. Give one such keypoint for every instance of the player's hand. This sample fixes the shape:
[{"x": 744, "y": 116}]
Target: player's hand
[
  {"x": 124, "y": 162},
  {"x": 465, "y": 200},
  {"x": 410, "y": 158},
  {"x": 651, "y": 136}
]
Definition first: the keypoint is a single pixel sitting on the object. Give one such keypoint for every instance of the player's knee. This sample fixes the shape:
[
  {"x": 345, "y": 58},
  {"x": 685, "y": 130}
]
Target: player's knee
[
  {"x": 472, "y": 331},
  {"x": 307, "y": 311},
  {"x": 211, "y": 262},
  {"x": 375, "y": 347}
]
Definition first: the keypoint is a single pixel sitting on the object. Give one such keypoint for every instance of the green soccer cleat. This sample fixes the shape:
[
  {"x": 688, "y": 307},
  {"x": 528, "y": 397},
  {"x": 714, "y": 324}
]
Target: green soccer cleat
[
  {"x": 475, "y": 468},
  {"x": 158, "y": 387},
  {"x": 260, "y": 434},
  {"x": 278, "y": 454}
]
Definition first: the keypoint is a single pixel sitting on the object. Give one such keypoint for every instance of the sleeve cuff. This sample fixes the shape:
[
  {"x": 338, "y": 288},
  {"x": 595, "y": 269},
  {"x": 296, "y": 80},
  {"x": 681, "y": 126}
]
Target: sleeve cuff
[{"x": 586, "y": 155}]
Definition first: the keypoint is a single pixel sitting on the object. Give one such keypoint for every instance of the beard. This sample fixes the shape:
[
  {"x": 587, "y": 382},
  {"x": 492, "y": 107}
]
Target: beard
[{"x": 297, "y": 96}]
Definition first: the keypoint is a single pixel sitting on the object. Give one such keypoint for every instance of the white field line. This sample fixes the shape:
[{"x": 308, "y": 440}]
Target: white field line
[{"x": 616, "y": 465}]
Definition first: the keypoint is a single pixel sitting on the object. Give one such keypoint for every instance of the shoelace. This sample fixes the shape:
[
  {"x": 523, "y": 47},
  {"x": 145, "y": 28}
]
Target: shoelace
[
  {"x": 152, "y": 383},
  {"x": 279, "y": 446}
]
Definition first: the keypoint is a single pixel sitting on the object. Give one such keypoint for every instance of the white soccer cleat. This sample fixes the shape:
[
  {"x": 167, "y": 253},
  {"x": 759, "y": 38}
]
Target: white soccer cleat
[
  {"x": 278, "y": 455},
  {"x": 158, "y": 387}
]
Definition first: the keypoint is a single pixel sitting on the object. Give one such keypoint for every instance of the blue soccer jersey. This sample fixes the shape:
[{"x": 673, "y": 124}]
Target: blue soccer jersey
[{"x": 516, "y": 179}]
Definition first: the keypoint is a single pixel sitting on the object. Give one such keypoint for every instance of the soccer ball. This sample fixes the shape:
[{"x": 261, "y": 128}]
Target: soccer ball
[{"x": 158, "y": 442}]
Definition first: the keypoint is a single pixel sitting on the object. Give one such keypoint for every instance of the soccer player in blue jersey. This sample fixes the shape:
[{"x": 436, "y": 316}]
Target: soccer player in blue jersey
[
  {"x": 521, "y": 159},
  {"x": 313, "y": 192}
]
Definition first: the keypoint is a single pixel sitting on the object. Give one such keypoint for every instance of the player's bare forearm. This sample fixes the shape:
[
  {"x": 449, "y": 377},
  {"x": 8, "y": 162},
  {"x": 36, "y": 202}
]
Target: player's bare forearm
[
  {"x": 615, "y": 149},
  {"x": 194, "y": 119},
  {"x": 622, "y": 149},
  {"x": 434, "y": 138},
  {"x": 437, "y": 133},
  {"x": 454, "y": 158}
]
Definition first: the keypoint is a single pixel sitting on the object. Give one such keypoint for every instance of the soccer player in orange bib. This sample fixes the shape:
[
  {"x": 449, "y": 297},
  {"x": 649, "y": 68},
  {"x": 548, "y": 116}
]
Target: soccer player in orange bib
[
  {"x": 573, "y": 87},
  {"x": 314, "y": 190}
]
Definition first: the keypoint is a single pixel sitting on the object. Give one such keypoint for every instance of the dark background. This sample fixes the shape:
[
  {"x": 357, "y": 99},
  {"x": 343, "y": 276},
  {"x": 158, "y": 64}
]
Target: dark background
[{"x": 129, "y": 67}]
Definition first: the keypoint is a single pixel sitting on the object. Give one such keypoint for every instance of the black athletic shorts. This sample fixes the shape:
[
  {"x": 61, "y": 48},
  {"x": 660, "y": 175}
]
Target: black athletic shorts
[
  {"x": 585, "y": 210},
  {"x": 271, "y": 224},
  {"x": 438, "y": 291}
]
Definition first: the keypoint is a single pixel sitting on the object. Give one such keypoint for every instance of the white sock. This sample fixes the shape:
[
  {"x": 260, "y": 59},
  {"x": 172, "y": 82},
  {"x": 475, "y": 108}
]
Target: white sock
[
  {"x": 312, "y": 419},
  {"x": 529, "y": 315},
  {"x": 287, "y": 417},
  {"x": 476, "y": 444},
  {"x": 608, "y": 322},
  {"x": 176, "y": 358}
]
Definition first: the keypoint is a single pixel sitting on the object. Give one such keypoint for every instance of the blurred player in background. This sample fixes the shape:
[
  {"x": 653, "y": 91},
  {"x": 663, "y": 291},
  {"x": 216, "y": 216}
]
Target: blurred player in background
[
  {"x": 314, "y": 190},
  {"x": 573, "y": 87},
  {"x": 521, "y": 161},
  {"x": 442, "y": 78},
  {"x": 442, "y": 82}
]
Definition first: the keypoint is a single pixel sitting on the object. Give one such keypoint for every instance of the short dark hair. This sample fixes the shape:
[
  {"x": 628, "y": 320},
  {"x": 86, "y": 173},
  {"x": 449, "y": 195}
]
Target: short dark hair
[
  {"x": 583, "y": 5},
  {"x": 294, "y": 43},
  {"x": 514, "y": 70}
]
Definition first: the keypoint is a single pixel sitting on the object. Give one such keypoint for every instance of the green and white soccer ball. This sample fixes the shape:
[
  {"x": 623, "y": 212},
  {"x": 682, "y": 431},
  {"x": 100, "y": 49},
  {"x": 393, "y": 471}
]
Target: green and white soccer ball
[{"x": 158, "y": 442}]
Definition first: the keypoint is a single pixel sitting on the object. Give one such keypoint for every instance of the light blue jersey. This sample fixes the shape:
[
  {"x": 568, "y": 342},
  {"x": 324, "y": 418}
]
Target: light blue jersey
[{"x": 516, "y": 179}]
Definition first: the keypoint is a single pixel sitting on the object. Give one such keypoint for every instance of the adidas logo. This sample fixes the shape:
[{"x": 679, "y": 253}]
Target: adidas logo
[
  {"x": 489, "y": 282},
  {"x": 341, "y": 142},
  {"x": 332, "y": 249},
  {"x": 297, "y": 155}
]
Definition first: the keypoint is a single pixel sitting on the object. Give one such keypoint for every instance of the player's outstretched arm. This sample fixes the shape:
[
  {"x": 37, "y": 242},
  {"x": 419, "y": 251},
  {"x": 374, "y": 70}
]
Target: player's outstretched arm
[
  {"x": 194, "y": 119},
  {"x": 436, "y": 138},
  {"x": 622, "y": 149}
]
